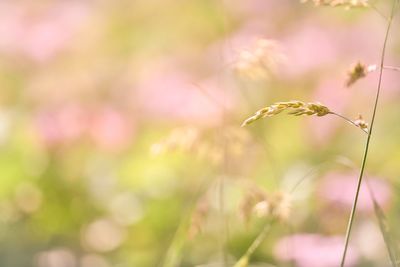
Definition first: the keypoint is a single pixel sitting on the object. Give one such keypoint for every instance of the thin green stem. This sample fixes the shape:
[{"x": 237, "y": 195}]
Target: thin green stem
[
  {"x": 364, "y": 160},
  {"x": 256, "y": 243},
  {"x": 224, "y": 222},
  {"x": 383, "y": 226}
]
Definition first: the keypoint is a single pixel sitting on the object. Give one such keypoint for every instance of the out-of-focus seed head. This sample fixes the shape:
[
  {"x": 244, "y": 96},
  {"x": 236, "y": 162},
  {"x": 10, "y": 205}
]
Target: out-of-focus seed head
[
  {"x": 262, "y": 209},
  {"x": 261, "y": 204},
  {"x": 260, "y": 60},
  {"x": 280, "y": 204},
  {"x": 198, "y": 218},
  {"x": 358, "y": 71},
  {"x": 179, "y": 139}
]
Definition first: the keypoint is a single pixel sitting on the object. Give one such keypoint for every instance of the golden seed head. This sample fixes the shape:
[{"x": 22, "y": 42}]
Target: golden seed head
[{"x": 297, "y": 108}]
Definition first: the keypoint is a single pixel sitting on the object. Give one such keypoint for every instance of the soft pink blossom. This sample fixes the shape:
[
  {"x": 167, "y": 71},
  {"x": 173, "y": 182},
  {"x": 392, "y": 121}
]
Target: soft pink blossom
[
  {"x": 310, "y": 47},
  {"x": 110, "y": 129},
  {"x": 339, "y": 189},
  {"x": 164, "y": 92},
  {"x": 60, "y": 125},
  {"x": 38, "y": 34},
  {"x": 106, "y": 126},
  {"x": 313, "y": 250}
]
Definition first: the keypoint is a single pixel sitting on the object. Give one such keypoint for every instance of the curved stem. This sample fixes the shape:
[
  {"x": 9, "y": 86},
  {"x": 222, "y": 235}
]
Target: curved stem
[
  {"x": 378, "y": 11},
  {"x": 256, "y": 243},
  {"x": 349, "y": 121},
  {"x": 364, "y": 160}
]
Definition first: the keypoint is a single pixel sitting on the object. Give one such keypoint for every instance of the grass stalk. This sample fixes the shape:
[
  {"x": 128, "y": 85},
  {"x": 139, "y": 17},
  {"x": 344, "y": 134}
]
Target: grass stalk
[
  {"x": 254, "y": 245},
  {"x": 384, "y": 228},
  {"x": 364, "y": 159}
]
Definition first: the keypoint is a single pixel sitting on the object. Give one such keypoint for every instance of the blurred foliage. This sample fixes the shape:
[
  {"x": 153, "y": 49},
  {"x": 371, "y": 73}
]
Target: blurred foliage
[{"x": 120, "y": 137}]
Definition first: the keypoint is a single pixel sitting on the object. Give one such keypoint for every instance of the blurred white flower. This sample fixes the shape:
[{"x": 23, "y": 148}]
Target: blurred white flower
[
  {"x": 125, "y": 209},
  {"x": 59, "y": 257},
  {"x": 103, "y": 235},
  {"x": 94, "y": 260},
  {"x": 28, "y": 197}
]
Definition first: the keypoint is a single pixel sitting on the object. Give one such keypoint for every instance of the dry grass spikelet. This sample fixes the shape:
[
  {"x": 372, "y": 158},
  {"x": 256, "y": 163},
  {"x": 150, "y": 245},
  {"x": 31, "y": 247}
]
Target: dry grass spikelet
[
  {"x": 276, "y": 205},
  {"x": 256, "y": 202},
  {"x": 297, "y": 108},
  {"x": 280, "y": 204},
  {"x": 198, "y": 218},
  {"x": 358, "y": 71},
  {"x": 360, "y": 122},
  {"x": 247, "y": 205},
  {"x": 183, "y": 139}
]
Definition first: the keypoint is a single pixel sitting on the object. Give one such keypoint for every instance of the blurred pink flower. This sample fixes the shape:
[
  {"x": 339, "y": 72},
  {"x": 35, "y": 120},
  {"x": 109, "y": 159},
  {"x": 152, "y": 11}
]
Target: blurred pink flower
[
  {"x": 310, "y": 46},
  {"x": 315, "y": 43},
  {"x": 106, "y": 126},
  {"x": 339, "y": 189},
  {"x": 38, "y": 36},
  {"x": 313, "y": 250},
  {"x": 60, "y": 125},
  {"x": 261, "y": 8},
  {"x": 109, "y": 129},
  {"x": 167, "y": 93}
]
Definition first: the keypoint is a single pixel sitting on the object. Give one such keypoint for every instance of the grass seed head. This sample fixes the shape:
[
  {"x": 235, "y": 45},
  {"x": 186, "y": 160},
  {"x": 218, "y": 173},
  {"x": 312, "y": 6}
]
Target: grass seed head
[
  {"x": 296, "y": 108},
  {"x": 280, "y": 205},
  {"x": 260, "y": 60},
  {"x": 275, "y": 205}
]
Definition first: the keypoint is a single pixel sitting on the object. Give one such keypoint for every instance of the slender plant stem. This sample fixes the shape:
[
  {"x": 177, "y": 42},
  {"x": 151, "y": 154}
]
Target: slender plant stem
[
  {"x": 372, "y": 6},
  {"x": 257, "y": 242},
  {"x": 383, "y": 226},
  {"x": 391, "y": 68},
  {"x": 349, "y": 121},
  {"x": 364, "y": 160}
]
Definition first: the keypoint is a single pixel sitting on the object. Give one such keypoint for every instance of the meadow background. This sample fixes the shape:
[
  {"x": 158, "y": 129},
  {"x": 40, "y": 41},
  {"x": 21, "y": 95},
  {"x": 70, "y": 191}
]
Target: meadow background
[{"x": 121, "y": 145}]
